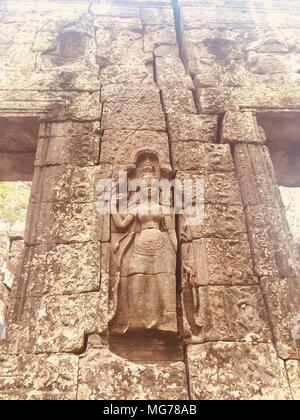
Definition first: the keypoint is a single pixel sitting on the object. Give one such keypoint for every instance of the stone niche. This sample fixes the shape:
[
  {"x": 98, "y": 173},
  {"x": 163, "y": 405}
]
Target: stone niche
[{"x": 18, "y": 143}]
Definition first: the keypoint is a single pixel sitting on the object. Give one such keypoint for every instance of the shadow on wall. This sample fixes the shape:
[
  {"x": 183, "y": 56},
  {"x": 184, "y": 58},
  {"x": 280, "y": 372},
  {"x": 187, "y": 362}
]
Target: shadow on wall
[
  {"x": 282, "y": 129},
  {"x": 18, "y": 143},
  {"x": 70, "y": 47},
  {"x": 283, "y": 140}
]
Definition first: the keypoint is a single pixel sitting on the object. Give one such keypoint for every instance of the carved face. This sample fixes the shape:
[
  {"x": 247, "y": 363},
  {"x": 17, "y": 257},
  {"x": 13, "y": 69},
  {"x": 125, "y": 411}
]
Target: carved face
[{"x": 147, "y": 168}]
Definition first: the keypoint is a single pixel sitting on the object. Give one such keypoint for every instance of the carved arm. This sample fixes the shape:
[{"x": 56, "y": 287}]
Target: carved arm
[{"x": 121, "y": 222}]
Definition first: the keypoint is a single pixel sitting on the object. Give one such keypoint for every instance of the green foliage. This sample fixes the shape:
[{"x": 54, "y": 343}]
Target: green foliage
[{"x": 14, "y": 199}]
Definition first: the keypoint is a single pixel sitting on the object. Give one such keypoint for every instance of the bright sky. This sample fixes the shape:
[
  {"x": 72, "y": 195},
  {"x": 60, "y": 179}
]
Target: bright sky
[{"x": 291, "y": 199}]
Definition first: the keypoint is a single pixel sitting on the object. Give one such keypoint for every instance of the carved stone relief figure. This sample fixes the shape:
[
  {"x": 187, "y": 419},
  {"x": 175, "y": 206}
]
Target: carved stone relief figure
[
  {"x": 190, "y": 292},
  {"x": 143, "y": 256}
]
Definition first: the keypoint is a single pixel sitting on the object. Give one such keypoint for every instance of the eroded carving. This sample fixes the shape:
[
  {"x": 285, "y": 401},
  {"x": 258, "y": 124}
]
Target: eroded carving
[{"x": 143, "y": 258}]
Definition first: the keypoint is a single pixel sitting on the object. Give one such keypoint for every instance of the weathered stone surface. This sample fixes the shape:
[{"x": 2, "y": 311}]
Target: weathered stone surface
[
  {"x": 263, "y": 253},
  {"x": 84, "y": 107},
  {"x": 220, "y": 221},
  {"x": 216, "y": 100},
  {"x": 266, "y": 183},
  {"x": 68, "y": 183},
  {"x": 205, "y": 72},
  {"x": 68, "y": 142},
  {"x": 16, "y": 252},
  {"x": 219, "y": 187},
  {"x": 190, "y": 127},
  {"x": 61, "y": 269},
  {"x": 268, "y": 63},
  {"x": 49, "y": 377},
  {"x": 134, "y": 95},
  {"x": 50, "y": 47},
  {"x": 65, "y": 55},
  {"x": 269, "y": 238},
  {"x": 118, "y": 42},
  {"x": 116, "y": 144},
  {"x": 156, "y": 35},
  {"x": 97, "y": 312},
  {"x": 178, "y": 101},
  {"x": 60, "y": 222},
  {"x": 127, "y": 117},
  {"x": 57, "y": 323},
  {"x": 282, "y": 303},
  {"x": 293, "y": 372},
  {"x": 202, "y": 158},
  {"x": 158, "y": 348},
  {"x": 170, "y": 72},
  {"x": 231, "y": 314},
  {"x": 11, "y": 254},
  {"x": 226, "y": 51},
  {"x": 237, "y": 371},
  {"x": 242, "y": 127},
  {"x": 219, "y": 262},
  {"x": 106, "y": 81},
  {"x": 269, "y": 234},
  {"x": 103, "y": 375},
  {"x": 133, "y": 72},
  {"x": 256, "y": 177}
]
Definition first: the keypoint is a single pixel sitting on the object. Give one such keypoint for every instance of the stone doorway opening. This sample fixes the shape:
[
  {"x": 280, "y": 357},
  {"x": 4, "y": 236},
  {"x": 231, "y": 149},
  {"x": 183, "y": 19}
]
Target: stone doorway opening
[
  {"x": 282, "y": 129},
  {"x": 18, "y": 143}
]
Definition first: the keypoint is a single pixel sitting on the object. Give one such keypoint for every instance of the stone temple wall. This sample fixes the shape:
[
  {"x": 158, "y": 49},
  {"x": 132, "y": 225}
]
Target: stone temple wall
[
  {"x": 188, "y": 80},
  {"x": 11, "y": 248}
]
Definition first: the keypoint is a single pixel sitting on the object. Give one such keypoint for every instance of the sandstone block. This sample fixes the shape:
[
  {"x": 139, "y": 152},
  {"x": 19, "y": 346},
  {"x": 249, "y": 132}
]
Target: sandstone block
[
  {"x": 68, "y": 143},
  {"x": 237, "y": 371},
  {"x": 156, "y": 35},
  {"x": 242, "y": 127},
  {"x": 203, "y": 158},
  {"x": 191, "y": 127},
  {"x": 62, "y": 223},
  {"x": 219, "y": 187},
  {"x": 220, "y": 221},
  {"x": 219, "y": 262},
  {"x": 120, "y": 147},
  {"x": 103, "y": 374},
  {"x": 39, "y": 377},
  {"x": 170, "y": 72},
  {"x": 118, "y": 116},
  {"x": 283, "y": 306},
  {"x": 234, "y": 313},
  {"x": 61, "y": 269},
  {"x": 178, "y": 100}
]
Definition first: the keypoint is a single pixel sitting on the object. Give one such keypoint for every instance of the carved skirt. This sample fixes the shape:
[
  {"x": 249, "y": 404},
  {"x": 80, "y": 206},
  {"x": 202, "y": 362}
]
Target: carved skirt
[
  {"x": 152, "y": 253},
  {"x": 147, "y": 293}
]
